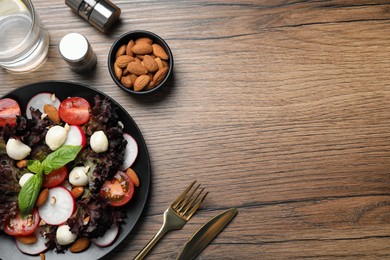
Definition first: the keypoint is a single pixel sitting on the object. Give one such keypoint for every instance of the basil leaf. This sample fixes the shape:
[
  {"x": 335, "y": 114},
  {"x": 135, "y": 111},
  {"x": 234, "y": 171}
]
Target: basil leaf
[
  {"x": 35, "y": 166},
  {"x": 60, "y": 157},
  {"x": 29, "y": 193}
]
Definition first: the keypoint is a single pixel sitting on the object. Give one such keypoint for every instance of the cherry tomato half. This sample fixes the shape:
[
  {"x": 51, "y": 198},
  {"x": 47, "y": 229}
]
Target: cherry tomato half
[
  {"x": 75, "y": 110},
  {"x": 55, "y": 178},
  {"x": 17, "y": 226},
  {"x": 9, "y": 109},
  {"x": 118, "y": 191}
]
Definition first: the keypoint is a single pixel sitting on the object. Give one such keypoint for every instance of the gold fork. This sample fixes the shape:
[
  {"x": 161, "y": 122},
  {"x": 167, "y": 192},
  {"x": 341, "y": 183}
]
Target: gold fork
[{"x": 177, "y": 215}]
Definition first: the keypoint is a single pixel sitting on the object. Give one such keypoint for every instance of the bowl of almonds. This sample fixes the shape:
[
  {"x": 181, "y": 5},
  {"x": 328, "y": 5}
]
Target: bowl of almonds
[{"x": 140, "y": 62}]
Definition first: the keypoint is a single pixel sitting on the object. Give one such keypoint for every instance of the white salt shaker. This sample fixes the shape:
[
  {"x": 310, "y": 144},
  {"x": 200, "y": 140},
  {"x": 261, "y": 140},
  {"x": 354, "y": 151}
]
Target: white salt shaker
[{"x": 77, "y": 52}]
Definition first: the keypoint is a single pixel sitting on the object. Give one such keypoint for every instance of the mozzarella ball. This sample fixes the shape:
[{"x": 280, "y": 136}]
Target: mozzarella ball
[
  {"x": 17, "y": 150},
  {"x": 64, "y": 236},
  {"x": 78, "y": 176},
  {"x": 55, "y": 137},
  {"x": 99, "y": 142},
  {"x": 25, "y": 178}
]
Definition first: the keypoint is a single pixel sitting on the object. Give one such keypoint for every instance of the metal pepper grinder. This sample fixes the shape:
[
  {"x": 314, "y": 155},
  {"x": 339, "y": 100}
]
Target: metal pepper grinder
[{"x": 102, "y": 14}]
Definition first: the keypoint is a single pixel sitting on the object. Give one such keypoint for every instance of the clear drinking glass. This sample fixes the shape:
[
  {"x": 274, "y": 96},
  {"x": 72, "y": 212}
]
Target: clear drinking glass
[{"x": 24, "y": 43}]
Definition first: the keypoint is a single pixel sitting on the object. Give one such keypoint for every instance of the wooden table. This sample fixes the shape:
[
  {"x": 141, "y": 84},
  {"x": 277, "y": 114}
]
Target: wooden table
[{"x": 280, "y": 108}]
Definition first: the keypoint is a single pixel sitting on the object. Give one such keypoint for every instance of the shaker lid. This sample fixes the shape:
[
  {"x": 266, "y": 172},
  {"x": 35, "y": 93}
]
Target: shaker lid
[
  {"x": 73, "y": 47},
  {"x": 104, "y": 15},
  {"x": 74, "y": 4}
]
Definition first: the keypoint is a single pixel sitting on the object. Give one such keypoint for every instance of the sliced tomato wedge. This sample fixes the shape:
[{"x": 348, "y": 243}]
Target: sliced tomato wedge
[
  {"x": 9, "y": 109},
  {"x": 55, "y": 178},
  {"x": 118, "y": 191},
  {"x": 75, "y": 111},
  {"x": 17, "y": 226}
]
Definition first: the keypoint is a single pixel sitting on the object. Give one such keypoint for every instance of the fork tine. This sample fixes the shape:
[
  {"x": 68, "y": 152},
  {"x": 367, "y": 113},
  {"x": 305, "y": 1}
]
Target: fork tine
[
  {"x": 182, "y": 195},
  {"x": 196, "y": 206},
  {"x": 189, "y": 204},
  {"x": 187, "y": 198}
]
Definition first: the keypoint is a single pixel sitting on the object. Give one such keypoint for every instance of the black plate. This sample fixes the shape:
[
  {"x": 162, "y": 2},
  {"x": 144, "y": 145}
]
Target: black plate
[{"x": 8, "y": 249}]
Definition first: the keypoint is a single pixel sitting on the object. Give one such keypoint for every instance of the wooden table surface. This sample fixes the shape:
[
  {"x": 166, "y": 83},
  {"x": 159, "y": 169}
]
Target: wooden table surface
[{"x": 280, "y": 108}]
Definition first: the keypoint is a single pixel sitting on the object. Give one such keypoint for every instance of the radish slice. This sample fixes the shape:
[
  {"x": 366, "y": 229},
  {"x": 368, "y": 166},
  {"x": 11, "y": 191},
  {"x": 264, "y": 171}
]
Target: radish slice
[
  {"x": 66, "y": 185},
  {"x": 75, "y": 136},
  {"x": 108, "y": 238},
  {"x": 58, "y": 207},
  {"x": 33, "y": 249},
  {"x": 41, "y": 99},
  {"x": 130, "y": 152}
]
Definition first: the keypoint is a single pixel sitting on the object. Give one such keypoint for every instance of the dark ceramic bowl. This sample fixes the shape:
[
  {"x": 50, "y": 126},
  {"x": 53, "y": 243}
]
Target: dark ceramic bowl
[{"x": 134, "y": 35}]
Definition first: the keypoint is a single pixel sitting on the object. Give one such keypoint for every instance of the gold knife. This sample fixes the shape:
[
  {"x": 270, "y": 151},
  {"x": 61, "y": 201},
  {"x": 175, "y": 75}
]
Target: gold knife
[{"x": 206, "y": 234}]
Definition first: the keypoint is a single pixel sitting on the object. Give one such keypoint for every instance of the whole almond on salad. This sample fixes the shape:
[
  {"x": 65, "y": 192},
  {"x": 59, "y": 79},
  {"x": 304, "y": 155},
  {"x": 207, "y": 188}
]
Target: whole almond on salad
[
  {"x": 42, "y": 197},
  {"x": 80, "y": 245},
  {"x": 52, "y": 113},
  {"x": 22, "y": 163},
  {"x": 133, "y": 176},
  {"x": 27, "y": 240},
  {"x": 77, "y": 192}
]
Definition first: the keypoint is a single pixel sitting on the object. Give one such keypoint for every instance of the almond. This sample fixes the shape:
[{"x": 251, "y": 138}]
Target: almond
[
  {"x": 150, "y": 85},
  {"x": 141, "y": 82},
  {"x": 77, "y": 192},
  {"x": 159, "y": 63},
  {"x": 80, "y": 245},
  {"x": 136, "y": 68},
  {"x": 126, "y": 81},
  {"x": 42, "y": 197},
  {"x": 128, "y": 48},
  {"x": 118, "y": 71},
  {"x": 133, "y": 78},
  {"x": 28, "y": 240},
  {"x": 150, "y": 64},
  {"x": 138, "y": 60},
  {"x": 86, "y": 220},
  {"x": 142, "y": 48},
  {"x": 52, "y": 113},
  {"x": 144, "y": 39},
  {"x": 121, "y": 51},
  {"x": 22, "y": 163},
  {"x": 123, "y": 61},
  {"x": 159, "y": 51},
  {"x": 133, "y": 176},
  {"x": 160, "y": 75},
  {"x": 141, "y": 57},
  {"x": 125, "y": 72}
]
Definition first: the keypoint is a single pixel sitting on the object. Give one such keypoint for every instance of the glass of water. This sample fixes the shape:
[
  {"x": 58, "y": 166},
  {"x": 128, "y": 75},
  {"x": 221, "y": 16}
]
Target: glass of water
[{"x": 24, "y": 43}]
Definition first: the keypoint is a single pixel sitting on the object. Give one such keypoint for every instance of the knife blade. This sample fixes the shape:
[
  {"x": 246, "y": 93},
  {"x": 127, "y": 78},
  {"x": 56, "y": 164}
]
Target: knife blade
[{"x": 205, "y": 234}]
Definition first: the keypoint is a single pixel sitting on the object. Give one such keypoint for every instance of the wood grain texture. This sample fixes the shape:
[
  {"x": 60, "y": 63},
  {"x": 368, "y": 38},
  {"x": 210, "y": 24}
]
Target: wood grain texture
[{"x": 280, "y": 108}]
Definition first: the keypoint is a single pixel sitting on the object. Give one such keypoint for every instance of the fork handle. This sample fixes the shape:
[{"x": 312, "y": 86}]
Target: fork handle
[{"x": 163, "y": 230}]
